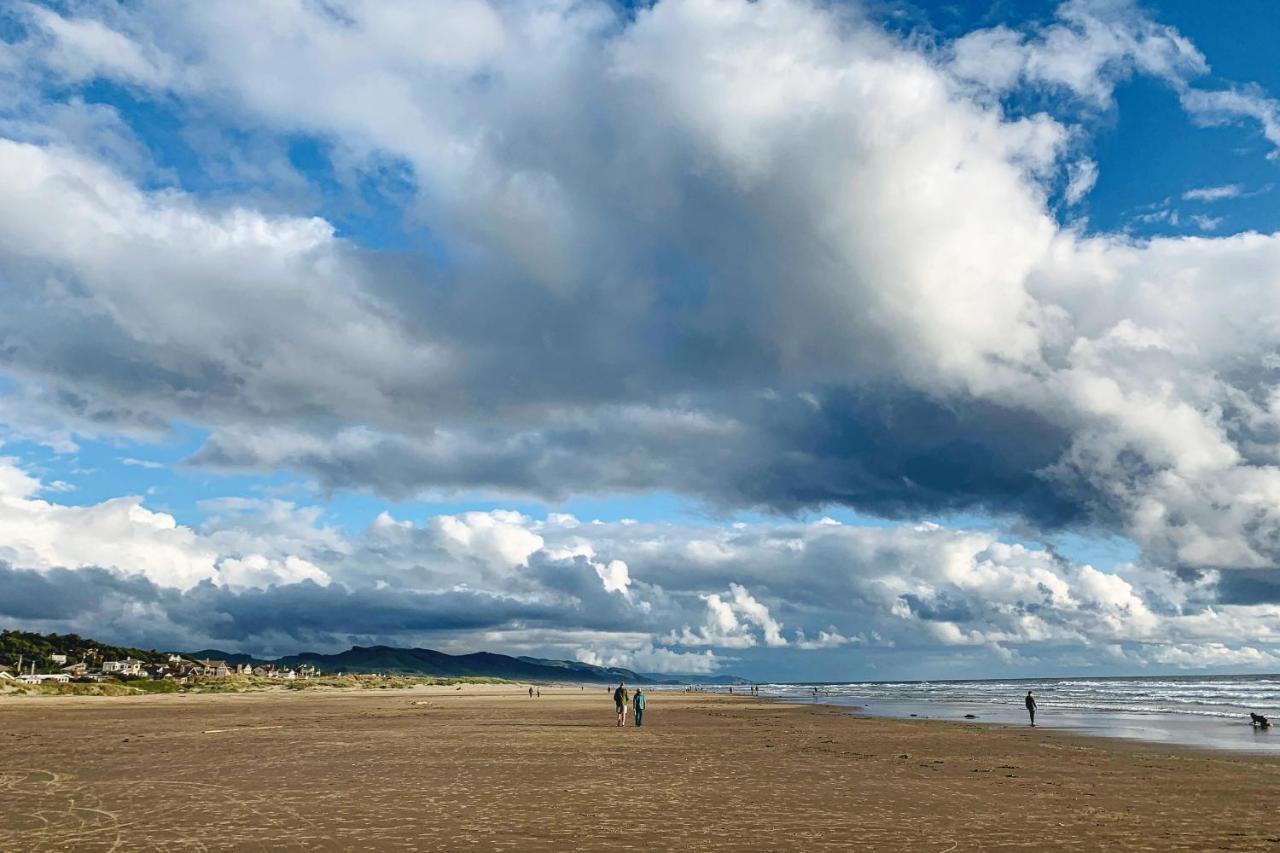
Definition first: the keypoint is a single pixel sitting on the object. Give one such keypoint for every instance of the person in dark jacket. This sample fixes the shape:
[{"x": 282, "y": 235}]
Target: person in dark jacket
[
  {"x": 638, "y": 704},
  {"x": 620, "y": 701},
  {"x": 1031, "y": 708}
]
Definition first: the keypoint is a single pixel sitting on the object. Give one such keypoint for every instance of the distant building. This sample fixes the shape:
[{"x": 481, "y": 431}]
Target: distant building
[
  {"x": 58, "y": 659},
  {"x": 75, "y": 670},
  {"x": 56, "y": 678},
  {"x": 212, "y": 668},
  {"x": 128, "y": 666}
]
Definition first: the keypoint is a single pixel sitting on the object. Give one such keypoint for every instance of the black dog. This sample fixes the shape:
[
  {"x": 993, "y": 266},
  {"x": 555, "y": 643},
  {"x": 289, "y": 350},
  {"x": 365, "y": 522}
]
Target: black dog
[{"x": 1259, "y": 721}]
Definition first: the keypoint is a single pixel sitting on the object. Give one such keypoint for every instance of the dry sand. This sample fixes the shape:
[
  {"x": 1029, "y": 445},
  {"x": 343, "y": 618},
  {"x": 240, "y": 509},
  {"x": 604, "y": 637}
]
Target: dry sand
[{"x": 490, "y": 769}]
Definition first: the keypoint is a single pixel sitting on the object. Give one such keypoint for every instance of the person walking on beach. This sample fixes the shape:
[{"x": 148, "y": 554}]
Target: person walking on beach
[
  {"x": 539, "y": 692},
  {"x": 638, "y": 702},
  {"x": 620, "y": 700},
  {"x": 530, "y": 692},
  {"x": 1031, "y": 708}
]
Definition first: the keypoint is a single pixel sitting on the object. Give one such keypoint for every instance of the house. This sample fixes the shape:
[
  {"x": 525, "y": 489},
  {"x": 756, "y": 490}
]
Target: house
[
  {"x": 128, "y": 666},
  {"x": 60, "y": 660},
  {"x": 212, "y": 669},
  {"x": 56, "y": 678},
  {"x": 75, "y": 670},
  {"x": 244, "y": 669}
]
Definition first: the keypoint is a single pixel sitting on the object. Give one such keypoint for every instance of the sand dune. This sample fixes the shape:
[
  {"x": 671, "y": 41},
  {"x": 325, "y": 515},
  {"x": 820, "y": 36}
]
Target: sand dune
[{"x": 491, "y": 769}]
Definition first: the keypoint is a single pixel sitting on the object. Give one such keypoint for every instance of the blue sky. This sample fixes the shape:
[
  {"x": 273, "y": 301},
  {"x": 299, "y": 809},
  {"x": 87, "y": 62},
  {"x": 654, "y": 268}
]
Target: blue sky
[{"x": 877, "y": 340}]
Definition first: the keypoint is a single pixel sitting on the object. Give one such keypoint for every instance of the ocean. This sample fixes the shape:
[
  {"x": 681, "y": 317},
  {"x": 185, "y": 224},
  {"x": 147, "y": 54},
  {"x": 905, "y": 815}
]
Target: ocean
[{"x": 1203, "y": 711}]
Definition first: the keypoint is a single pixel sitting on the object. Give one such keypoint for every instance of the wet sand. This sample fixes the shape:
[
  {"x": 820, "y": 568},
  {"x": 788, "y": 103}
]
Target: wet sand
[{"x": 487, "y": 768}]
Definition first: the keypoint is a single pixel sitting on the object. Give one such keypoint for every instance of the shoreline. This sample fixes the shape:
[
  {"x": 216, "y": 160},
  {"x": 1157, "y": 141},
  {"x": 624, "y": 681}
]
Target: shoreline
[
  {"x": 1154, "y": 730},
  {"x": 1090, "y": 738},
  {"x": 489, "y": 768}
]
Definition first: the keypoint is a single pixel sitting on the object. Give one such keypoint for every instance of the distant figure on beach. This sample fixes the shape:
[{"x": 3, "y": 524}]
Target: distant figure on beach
[
  {"x": 539, "y": 692},
  {"x": 638, "y": 702},
  {"x": 1259, "y": 721},
  {"x": 620, "y": 700},
  {"x": 530, "y": 692},
  {"x": 1031, "y": 708}
]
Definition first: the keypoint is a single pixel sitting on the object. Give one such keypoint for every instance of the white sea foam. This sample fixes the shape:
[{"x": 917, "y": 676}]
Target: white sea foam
[{"x": 1203, "y": 710}]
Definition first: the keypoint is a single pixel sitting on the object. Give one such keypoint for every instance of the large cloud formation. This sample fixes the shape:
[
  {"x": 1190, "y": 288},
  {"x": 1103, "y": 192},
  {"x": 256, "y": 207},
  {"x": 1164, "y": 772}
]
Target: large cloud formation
[
  {"x": 766, "y": 255},
  {"x": 268, "y": 576}
]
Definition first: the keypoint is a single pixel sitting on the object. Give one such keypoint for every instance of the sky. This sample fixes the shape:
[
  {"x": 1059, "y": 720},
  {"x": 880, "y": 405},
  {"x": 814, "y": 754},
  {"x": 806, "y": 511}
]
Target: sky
[{"x": 795, "y": 340}]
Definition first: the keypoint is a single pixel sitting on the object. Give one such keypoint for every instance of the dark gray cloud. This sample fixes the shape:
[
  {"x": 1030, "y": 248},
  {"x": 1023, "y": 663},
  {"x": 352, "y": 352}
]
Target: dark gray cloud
[
  {"x": 877, "y": 450},
  {"x": 305, "y": 614},
  {"x": 941, "y": 608},
  {"x": 1256, "y": 586},
  {"x": 67, "y": 595}
]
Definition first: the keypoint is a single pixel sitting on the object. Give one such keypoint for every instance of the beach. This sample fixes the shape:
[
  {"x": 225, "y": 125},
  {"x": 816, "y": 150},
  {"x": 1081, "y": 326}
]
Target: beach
[{"x": 488, "y": 768}]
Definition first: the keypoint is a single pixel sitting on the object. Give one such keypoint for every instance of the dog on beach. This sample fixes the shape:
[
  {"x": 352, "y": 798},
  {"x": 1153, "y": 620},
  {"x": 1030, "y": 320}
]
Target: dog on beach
[{"x": 1259, "y": 721}]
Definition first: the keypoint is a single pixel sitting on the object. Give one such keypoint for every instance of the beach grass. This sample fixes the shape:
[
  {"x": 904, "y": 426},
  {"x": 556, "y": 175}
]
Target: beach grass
[{"x": 240, "y": 684}]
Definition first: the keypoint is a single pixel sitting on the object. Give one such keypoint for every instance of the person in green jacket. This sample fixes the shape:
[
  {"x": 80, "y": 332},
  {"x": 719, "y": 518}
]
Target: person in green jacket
[
  {"x": 620, "y": 700},
  {"x": 639, "y": 705}
]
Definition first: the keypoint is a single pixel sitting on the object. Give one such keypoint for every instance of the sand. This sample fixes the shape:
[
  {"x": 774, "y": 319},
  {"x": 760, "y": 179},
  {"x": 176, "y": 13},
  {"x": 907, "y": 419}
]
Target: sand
[{"x": 487, "y": 768}]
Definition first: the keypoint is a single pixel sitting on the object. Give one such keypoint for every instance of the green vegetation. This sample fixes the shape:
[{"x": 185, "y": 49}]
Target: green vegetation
[
  {"x": 236, "y": 684},
  {"x": 242, "y": 684},
  {"x": 147, "y": 685},
  {"x": 37, "y": 648},
  {"x": 98, "y": 688}
]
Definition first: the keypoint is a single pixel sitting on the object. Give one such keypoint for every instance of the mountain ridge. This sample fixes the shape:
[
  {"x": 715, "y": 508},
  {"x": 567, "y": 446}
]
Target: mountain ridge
[{"x": 418, "y": 661}]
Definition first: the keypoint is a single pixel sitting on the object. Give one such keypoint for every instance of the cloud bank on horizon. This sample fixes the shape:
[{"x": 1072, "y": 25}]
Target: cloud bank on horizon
[{"x": 778, "y": 259}]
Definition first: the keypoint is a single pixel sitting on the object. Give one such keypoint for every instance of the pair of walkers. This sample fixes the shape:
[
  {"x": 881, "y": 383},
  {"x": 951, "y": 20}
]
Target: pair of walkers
[{"x": 622, "y": 700}]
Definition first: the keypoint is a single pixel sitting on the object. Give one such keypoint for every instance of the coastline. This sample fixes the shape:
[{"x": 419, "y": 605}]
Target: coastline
[
  {"x": 1097, "y": 736},
  {"x": 488, "y": 768},
  {"x": 1151, "y": 729}
]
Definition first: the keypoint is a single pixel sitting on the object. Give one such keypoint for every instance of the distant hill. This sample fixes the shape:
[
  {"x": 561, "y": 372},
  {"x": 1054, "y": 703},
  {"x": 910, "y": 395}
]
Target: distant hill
[
  {"x": 692, "y": 678},
  {"x": 360, "y": 659},
  {"x": 397, "y": 661},
  {"x": 430, "y": 662},
  {"x": 619, "y": 674},
  {"x": 578, "y": 670}
]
